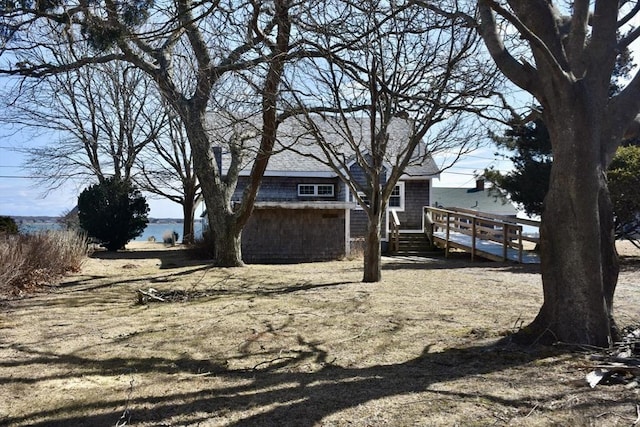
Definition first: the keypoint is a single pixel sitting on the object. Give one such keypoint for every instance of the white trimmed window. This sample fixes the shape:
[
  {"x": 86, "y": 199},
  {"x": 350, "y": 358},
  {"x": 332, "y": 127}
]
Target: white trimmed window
[
  {"x": 317, "y": 190},
  {"x": 396, "y": 201}
]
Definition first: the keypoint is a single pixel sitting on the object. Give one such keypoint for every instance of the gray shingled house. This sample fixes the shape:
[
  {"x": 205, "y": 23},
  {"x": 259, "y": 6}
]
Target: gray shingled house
[{"x": 304, "y": 212}]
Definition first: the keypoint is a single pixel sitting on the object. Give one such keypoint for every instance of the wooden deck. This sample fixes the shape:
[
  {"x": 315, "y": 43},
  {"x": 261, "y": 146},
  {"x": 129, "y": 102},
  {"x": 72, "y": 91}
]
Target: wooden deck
[{"x": 483, "y": 235}]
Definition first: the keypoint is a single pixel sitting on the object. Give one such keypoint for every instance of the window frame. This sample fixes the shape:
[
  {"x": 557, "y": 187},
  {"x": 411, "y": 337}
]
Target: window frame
[
  {"x": 401, "y": 196},
  {"x": 316, "y": 191}
]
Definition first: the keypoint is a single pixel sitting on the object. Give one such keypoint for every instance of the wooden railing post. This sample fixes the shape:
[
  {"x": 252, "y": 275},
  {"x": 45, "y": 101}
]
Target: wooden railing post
[
  {"x": 519, "y": 229},
  {"x": 473, "y": 238},
  {"x": 505, "y": 240},
  {"x": 395, "y": 231},
  {"x": 446, "y": 247}
]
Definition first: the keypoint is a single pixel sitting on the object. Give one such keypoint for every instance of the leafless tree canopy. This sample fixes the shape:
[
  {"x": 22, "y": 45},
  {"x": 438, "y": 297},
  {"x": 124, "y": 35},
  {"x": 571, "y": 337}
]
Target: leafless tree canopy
[
  {"x": 95, "y": 119},
  {"x": 370, "y": 64},
  {"x": 198, "y": 54}
]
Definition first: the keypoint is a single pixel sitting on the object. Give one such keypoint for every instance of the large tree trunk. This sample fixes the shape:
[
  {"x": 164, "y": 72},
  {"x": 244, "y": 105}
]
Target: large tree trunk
[
  {"x": 372, "y": 251},
  {"x": 223, "y": 222},
  {"x": 576, "y": 255},
  {"x": 188, "y": 212},
  {"x": 226, "y": 238}
]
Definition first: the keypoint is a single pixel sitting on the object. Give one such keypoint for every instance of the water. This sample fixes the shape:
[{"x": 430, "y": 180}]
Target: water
[
  {"x": 36, "y": 227},
  {"x": 156, "y": 230}
]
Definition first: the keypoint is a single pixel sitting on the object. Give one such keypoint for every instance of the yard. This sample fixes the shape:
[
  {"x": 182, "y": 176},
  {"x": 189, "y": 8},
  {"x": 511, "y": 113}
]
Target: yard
[{"x": 297, "y": 345}]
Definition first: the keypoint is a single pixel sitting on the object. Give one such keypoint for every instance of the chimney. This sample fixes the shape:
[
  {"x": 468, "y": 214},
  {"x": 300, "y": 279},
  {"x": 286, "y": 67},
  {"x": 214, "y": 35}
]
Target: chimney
[{"x": 480, "y": 184}]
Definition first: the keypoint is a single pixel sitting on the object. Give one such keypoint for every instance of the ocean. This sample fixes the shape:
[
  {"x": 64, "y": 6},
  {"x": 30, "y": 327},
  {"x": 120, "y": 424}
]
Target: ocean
[{"x": 155, "y": 229}]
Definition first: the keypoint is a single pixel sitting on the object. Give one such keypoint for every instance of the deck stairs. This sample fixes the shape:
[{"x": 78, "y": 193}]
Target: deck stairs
[{"x": 414, "y": 244}]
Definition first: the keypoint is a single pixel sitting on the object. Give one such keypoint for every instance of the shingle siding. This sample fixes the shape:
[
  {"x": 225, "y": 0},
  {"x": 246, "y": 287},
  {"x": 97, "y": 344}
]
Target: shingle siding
[
  {"x": 285, "y": 189},
  {"x": 416, "y": 196},
  {"x": 294, "y": 235}
]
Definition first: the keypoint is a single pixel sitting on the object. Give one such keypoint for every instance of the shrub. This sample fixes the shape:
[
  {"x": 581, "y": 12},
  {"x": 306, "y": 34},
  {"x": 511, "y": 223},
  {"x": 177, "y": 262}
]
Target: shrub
[
  {"x": 28, "y": 262},
  {"x": 624, "y": 185},
  {"x": 8, "y": 225},
  {"x": 170, "y": 237},
  {"x": 113, "y": 212}
]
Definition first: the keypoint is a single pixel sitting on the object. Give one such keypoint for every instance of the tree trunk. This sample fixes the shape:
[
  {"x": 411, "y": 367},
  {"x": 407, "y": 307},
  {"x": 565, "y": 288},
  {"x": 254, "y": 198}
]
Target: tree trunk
[
  {"x": 223, "y": 223},
  {"x": 575, "y": 251},
  {"x": 372, "y": 251},
  {"x": 610, "y": 264},
  {"x": 188, "y": 212},
  {"x": 226, "y": 238}
]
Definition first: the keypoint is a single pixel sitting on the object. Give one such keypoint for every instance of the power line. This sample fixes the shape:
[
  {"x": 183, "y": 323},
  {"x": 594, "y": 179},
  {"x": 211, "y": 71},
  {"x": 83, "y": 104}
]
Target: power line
[{"x": 71, "y": 177}]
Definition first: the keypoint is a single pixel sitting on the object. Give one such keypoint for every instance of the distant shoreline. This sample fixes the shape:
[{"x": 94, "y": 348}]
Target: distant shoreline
[
  {"x": 156, "y": 228},
  {"x": 53, "y": 219}
]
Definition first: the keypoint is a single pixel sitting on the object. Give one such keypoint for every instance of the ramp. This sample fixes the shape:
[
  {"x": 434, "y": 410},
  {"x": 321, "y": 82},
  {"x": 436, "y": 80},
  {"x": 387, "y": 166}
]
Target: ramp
[{"x": 482, "y": 235}]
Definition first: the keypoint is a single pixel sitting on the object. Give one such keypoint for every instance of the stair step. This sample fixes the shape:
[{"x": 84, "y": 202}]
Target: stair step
[{"x": 414, "y": 244}]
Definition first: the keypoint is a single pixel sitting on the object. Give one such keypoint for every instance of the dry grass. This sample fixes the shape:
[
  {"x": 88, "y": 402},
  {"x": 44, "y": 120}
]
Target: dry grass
[
  {"x": 296, "y": 345},
  {"x": 31, "y": 261}
]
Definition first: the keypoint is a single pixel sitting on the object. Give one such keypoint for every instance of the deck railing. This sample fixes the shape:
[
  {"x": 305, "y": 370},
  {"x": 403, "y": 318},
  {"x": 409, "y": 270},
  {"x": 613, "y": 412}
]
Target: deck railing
[
  {"x": 477, "y": 226},
  {"x": 394, "y": 229}
]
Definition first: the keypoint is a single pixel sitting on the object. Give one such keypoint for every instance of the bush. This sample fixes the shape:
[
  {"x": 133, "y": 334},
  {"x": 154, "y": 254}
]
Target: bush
[
  {"x": 170, "y": 237},
  {"x": 624, "y": 185},
  {"x": 28, "y": 262},
  {"x": 8, "y": 225},
  {"x": 113, "y": 212}
]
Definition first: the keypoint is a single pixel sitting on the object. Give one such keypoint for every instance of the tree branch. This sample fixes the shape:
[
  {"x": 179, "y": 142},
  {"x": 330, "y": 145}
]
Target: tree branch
[{"x": 523, "y": 76}]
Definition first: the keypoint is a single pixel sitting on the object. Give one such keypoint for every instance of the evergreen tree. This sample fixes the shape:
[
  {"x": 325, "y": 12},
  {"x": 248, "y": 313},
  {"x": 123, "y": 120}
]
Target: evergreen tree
[
  {"x": 624, "y": 184},
  {"x": 528, "y": 182},
  {"x": 113, "y": 211},
  {"x": 8, "y": 225}
]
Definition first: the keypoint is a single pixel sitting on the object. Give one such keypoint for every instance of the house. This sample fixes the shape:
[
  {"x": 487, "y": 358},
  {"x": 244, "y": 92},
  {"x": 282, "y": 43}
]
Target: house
[
  {"x": 478, "y": 198},
  {"x": 305, "y": 212}
]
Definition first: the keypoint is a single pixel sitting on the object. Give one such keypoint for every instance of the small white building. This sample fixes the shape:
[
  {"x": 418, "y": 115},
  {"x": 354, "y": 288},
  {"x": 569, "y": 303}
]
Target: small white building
[{"x": 478, "y": 198}]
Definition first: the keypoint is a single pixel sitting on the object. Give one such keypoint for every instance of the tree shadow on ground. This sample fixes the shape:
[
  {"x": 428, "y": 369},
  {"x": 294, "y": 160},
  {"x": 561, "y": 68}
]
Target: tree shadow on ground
[
  {"x": 630, "y": 263},
  {"x": 461, "y": 261},
  {"x": 275, "y": 393},
  {"x": 174, "y": 258}
]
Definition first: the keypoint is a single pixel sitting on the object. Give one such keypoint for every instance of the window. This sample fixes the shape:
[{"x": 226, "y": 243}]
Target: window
[
  {"x": 396, "y": 201},
  {"x": 319, "y": 190}
]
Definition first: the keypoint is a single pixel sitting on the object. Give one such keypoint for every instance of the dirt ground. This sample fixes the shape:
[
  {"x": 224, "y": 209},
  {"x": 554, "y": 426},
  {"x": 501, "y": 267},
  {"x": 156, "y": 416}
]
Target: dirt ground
[{"x": 297, "y": 345}]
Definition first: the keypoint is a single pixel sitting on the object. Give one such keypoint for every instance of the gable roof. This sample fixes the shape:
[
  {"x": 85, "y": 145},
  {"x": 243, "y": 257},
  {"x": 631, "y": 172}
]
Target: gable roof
[{"x": 296, "y": 150}]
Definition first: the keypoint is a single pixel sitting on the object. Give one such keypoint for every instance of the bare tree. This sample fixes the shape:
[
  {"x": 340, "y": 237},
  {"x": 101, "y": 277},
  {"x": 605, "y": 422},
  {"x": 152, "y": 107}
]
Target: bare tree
[
  {"x": 217, "y": 41},
  {"x": 571, "y": 57},
  {"x": 99, "y": 119},
  {"x": 395, "y": 85},
  {"x": 165, "y": 168}
]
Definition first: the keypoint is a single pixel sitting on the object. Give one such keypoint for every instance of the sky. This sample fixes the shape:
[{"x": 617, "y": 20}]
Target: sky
[{"x": 20, "y": 195}]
